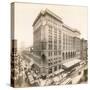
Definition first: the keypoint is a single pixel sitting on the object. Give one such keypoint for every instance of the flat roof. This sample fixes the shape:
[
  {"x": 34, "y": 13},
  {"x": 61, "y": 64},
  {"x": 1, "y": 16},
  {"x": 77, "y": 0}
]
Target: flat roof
[{"x": 71, "y": 63}]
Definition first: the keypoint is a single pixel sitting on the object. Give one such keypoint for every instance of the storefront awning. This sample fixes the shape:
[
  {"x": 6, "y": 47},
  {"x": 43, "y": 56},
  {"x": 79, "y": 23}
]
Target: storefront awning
[
  {"x": 59, "y": 71},
  {"x": 71, "y": 63}
]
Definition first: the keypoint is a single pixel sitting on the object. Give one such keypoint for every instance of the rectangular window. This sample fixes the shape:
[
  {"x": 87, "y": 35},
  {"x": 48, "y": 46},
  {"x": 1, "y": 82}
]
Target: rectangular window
[
  {"x": 48, "y": 53},
  {"x": 48, "y": 64},
  {"x": 51, "y": 53}
]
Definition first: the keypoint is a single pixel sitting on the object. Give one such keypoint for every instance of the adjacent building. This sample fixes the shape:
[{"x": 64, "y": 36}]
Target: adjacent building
[
  {"x": 84, "y": 49},
  {"x": 54, "y": 42}
]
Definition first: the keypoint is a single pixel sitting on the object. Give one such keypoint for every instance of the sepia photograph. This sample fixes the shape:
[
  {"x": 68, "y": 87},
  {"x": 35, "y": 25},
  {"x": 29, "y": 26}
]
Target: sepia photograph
[{"x": 49, "y": 44}]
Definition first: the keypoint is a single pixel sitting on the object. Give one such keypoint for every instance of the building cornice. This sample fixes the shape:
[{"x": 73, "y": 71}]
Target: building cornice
[
  {"x": 71, "y": 29},
  {"x": 44, "y": 12}
]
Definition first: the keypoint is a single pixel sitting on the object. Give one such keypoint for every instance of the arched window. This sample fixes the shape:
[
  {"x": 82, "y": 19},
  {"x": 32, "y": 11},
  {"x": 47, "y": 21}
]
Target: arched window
[
  {"x": 66, "y": 55},
  {"x": 50, "y": 70},
  {"x": 55, "y": 68},
  {"x": 43, "y": 58},
  {"x": 63, "y": 56},
  {"x": 73, "y": 54},
  {"x": 69, "y": 54},
  {"x": 59, "y": 66}
]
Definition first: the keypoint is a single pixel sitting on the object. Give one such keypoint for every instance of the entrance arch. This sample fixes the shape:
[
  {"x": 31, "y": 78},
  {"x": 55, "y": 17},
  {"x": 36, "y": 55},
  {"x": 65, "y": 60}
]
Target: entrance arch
[{"x": 43, "y": 58}]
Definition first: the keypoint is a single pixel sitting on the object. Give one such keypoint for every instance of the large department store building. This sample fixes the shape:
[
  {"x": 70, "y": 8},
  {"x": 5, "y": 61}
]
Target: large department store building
[{"x": 54, "y": 42}]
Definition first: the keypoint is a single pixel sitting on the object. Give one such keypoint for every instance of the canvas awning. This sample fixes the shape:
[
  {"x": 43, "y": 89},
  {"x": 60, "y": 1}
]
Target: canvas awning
[
  {"x": 71, "y": 63},
  {"x": 59, "y": 71}
]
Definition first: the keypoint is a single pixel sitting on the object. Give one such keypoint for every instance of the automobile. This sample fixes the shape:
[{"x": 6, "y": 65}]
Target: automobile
[
  {"x": 35, "y": 84},
  {"x": 48, "y": 82},
  {"x": 43, "y": 76},
  {"x": 71, "y": 71},
  {"x": 67, "y": 81},
  {"x": 50, "y": 76},
  {"x": 82, "y": 63},
  {"x": 79, "y": 73}
]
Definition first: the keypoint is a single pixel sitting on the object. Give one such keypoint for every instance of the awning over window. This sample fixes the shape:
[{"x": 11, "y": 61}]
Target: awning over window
[
  {"x": 71, "y": 63},
  {"x": 59, "y": 71}
]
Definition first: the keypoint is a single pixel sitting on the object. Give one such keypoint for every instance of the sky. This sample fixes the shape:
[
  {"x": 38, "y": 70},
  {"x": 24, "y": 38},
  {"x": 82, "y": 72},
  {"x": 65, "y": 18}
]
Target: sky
[{"x": 26, "y": 13}]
